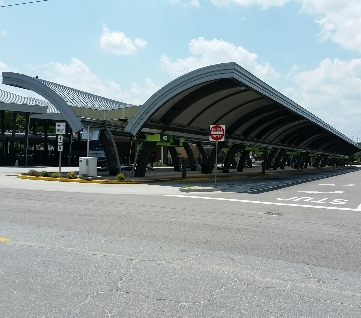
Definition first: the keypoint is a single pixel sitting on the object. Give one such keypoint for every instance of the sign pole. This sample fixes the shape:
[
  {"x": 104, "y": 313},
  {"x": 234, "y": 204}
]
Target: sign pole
[
  {"x": 60, "y": 131},
  {"x": 60, "y": 164},
  {"x": 215, "y": 173},
  {"x": 87, "y": 142}
]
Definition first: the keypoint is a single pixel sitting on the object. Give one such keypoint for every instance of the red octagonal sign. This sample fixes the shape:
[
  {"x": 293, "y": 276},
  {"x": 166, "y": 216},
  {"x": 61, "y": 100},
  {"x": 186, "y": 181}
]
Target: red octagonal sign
[{"x": 216, "y": 132}]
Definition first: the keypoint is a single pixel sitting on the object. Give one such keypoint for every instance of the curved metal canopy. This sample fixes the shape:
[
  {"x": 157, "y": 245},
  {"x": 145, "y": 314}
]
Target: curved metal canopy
[
  {"x": 38, "y": 108},
  {"x": 66, "y": 100},
  {"x": 253, "y": 112}
]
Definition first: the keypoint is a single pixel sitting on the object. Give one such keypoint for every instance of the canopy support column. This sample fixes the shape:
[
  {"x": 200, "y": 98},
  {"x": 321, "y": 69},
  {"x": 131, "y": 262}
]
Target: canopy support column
[
  {"x": 110, "y": 150},
  {"x": 213, "y": 156},
  {"x": 242, "y": 160},
  {"x": 270, "y": 158},
  {"x": 281, "y": 153},
  {"x": 2, "y": 127},
  {"x": 175, "y": 160},
  {"x": 228, "y": 159},
  {"x": 202, "y": 152},
  {"x": 12, "y": 141},
  {"x": 143, "y": 158},
  {"x": 188, "y": 146},
  {"x": 26, "y": 141}
]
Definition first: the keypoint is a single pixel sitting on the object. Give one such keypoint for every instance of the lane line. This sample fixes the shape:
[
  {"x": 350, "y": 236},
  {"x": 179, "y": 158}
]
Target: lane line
[
  {"x": 264, "y": 202},
  {"x": 321, "y": 192},
  {"x": 4, "y": 239},
  {"x": 359, "y": 208},
  {"x": 349, "y": 185}
]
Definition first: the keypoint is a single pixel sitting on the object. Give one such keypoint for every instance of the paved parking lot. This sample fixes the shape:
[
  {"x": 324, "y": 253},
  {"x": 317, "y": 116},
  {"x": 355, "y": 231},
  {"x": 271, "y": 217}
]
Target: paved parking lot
[{"x": 278, "y": 246}]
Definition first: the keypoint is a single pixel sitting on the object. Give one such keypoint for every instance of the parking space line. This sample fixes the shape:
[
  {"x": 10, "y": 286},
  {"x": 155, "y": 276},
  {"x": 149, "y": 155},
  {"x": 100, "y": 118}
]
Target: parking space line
[{"x": 315, "y": 192}]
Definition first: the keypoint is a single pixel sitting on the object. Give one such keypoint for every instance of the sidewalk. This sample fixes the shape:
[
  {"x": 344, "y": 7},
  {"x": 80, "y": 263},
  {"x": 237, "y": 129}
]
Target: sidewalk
[{"x": 167, "y": 174}]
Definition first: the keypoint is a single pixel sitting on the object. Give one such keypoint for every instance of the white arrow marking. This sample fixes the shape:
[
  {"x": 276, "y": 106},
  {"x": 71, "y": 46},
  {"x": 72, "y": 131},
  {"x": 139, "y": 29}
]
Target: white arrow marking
[{"x": 335, "y": 192}]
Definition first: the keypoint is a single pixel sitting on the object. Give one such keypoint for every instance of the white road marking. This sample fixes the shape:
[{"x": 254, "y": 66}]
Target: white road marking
[
  {"x": 315, "y": 192},
  {"x": 359, "y": 208},
  {"x": 349, "y": 185},
  {"x": 263, "y": 202},
  {"x": 327, "y": 184}
]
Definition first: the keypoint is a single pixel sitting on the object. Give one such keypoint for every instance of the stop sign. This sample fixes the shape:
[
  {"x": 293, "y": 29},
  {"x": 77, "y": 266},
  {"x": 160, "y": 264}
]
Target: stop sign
[{"x": 216, "y": 132}]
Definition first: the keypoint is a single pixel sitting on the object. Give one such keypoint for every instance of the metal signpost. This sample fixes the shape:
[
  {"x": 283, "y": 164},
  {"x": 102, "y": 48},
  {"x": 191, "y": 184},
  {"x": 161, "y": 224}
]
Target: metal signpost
[
  {"x": 60, "y": 131},
  {"x": 216, "y": 133}
]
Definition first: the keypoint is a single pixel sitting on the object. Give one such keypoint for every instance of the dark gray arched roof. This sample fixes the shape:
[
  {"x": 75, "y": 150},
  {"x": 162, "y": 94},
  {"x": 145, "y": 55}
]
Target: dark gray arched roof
[{"x": 253, "y": 112}]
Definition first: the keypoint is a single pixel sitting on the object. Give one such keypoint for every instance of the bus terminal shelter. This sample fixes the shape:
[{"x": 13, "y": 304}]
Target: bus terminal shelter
[{"x": 257, "y": 118}]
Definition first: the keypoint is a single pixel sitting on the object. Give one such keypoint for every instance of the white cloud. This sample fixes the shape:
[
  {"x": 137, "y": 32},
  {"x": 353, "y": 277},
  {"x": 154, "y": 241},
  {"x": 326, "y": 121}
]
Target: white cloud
[
  {"x": 4, "y": 68},
  {"x": 140, "y": 42},
  {"x": 339, "y": 21},
  {"x": 78, "y": 75},
  {"x": 3, "y": 33},
  {"x": 332, "y": 92},
  {"x": 247, "y": 3},
  {"x": 195, "y": 3},
  {"x": 116, "y": 42},
  {"x": 206, "y": 53}
]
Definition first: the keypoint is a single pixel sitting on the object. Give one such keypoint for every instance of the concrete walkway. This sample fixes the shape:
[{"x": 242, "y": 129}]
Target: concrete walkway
[{"x": 167, "y": 174}]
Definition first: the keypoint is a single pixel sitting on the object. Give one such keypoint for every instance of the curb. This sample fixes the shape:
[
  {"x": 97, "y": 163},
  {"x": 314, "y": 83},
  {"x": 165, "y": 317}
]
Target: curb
[
  {"x": 21, "y": 176},
  {"x": 199, "y": 189},
  {"x": 145, "y": 181}
]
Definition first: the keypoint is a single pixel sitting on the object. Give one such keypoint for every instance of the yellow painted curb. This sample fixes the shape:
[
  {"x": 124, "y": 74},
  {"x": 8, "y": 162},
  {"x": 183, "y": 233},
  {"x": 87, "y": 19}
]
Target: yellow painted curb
[{"x": 21, "y": 176}]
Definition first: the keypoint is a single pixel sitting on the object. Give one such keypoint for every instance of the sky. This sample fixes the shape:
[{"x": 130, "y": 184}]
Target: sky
[{"x": 309, "y": 50}]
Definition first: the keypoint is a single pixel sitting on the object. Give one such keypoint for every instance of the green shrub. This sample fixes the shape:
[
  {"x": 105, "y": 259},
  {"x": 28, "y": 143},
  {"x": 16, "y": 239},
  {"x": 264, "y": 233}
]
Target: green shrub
[
  {"x": 158, "y": 164},
  {"x": 71, "y": 175},
  {"x": 34, "y": 173},
  {"x": 120, "y": 177},
  {"x": 45, "y": 174},
  {"x": 57, "y": 175}
]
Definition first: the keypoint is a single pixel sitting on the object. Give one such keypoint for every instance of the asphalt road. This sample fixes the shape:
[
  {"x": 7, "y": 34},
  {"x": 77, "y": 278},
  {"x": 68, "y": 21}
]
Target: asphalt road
[{"x": 282, "y": 246}]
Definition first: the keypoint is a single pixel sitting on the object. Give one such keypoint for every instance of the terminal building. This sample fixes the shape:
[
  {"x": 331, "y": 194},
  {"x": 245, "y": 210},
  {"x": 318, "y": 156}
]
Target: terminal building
[{"x": 172, "y": 124}]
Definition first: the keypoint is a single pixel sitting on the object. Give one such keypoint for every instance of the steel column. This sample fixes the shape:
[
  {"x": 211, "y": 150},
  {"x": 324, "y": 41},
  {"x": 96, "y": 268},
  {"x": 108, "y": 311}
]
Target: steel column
[
  {"x": 175, "y": 159},
  {"x": 143, "y": 158},
  {"x": 188, "y": 146},
  {"x": 229, "y": 157}
]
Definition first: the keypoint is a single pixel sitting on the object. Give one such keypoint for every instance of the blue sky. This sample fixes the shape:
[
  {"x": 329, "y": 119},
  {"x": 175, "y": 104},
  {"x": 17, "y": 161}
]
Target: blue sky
[{"x": 126, "y": 50}]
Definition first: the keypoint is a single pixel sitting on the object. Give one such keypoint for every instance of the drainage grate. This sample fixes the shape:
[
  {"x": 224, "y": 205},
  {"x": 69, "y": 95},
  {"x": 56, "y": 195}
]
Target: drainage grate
[{"x": 273, "y": 213}]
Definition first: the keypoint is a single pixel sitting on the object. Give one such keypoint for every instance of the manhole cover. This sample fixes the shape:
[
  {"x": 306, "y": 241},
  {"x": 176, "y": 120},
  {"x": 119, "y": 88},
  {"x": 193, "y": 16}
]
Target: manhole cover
[{"x": 273, "y": 213}]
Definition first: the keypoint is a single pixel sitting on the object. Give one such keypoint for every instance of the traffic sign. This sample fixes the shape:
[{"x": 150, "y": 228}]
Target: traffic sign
[
  {"x": 60, "y": 147},
  {"x": 60, "y": 128},
  {"x": 60, "y": 139},
  {"x": 217, "y": 132}
]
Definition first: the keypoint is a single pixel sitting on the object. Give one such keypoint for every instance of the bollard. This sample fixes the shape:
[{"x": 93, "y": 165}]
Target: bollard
[{"x": 263, "y": 167}]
